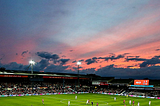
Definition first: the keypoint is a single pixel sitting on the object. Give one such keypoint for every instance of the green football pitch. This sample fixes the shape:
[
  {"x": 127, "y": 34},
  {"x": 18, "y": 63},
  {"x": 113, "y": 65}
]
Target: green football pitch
[{"x": 62, "y": 100}]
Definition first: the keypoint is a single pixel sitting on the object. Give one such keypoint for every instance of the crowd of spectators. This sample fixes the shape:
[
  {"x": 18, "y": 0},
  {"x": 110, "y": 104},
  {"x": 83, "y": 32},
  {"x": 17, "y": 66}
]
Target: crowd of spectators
[
  {"x": 109, "y": 90},
  {"x": 145, "y": 93},
  {"x": 148, "y": 93},
  {"x": 38, "y": 88},
  {"x": 10, "y": 88}
]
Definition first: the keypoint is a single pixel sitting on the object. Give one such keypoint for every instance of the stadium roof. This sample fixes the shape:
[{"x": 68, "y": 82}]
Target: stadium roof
[{"x": 20, "y": 72}]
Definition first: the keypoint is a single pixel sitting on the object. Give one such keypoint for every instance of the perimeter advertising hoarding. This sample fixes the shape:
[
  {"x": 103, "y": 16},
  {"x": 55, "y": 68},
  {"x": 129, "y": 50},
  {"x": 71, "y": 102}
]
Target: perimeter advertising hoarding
[
  {"x": 19, "y": 76},
  {"x": 141, "y": 85},
  {"x": 60, "y": 77},
  {"x": 141, "y": 82}
]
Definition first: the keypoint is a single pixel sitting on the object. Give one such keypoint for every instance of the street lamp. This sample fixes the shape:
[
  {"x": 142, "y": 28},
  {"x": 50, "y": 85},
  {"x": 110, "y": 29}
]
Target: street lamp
[
  {"x": 78, "y": 63},
  {"x": 31, "y": 63}
]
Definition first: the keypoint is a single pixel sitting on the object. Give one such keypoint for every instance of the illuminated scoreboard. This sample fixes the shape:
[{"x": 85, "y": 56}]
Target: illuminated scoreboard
[{"x": 141, "y": 83}]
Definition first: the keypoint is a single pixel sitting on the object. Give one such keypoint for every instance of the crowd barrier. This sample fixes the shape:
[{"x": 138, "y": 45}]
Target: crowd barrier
[
  {"x": 78, "y": 93},
  {"x": 128, "y": 95}
]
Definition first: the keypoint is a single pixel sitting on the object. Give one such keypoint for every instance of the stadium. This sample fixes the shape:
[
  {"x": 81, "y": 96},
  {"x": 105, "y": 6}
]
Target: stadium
[
  {"x": 79, "y": 52},
  {"x": 25, "y": 88}
]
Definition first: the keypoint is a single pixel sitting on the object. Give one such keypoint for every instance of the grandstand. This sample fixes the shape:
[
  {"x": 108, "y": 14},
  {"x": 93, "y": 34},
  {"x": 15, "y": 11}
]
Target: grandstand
[
  {"x": 156, "y": 83},
  {"x": 13, "y": 83},
  {"x": 23, "y": 82}
]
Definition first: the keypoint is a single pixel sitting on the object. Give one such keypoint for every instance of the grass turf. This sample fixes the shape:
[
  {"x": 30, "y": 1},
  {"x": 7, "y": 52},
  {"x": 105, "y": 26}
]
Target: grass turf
[{"x": 62, "y": 100}]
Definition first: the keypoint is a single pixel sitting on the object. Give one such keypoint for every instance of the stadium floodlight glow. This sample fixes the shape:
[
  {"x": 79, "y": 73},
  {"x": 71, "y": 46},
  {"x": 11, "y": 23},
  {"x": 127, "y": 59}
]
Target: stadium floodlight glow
[
  {"x": 78, "y": 63},
  {"x": 31, "y": 63}
]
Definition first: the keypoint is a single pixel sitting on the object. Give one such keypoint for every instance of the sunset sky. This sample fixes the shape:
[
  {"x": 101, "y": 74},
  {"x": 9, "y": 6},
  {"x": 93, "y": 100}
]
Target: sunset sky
[{"x": 112, "y": 38}]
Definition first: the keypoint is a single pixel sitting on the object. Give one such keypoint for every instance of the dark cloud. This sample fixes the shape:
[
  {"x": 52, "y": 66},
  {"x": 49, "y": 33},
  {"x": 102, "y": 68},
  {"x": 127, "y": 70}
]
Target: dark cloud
[
  {"x": 153, "y": 61},
  {"x": 55, "y": 56},
  {"x": 71, "y": 50},
  {"x": 113, "y": 57},
  {"x": 15, "y": 66},
  {"x": 56, "y": 68},
  {"x": 118, "y": 57},
  {"x": 41, "y": 65},
  {"x": 37, "y": 67},
  {"x": 77, "y": 61},
  {"x": 135, "y": 59},
  {"x": 130, "y": 56},
  {"x": 63, "y": 61},
  {"x": 81, "y": 60},
  {"x": 129, "y": 66},
  {"x": 94, "y": 58},
  {"x": 157, "y": 49},
  {"x": 47, "y": 55},
  {"x": 74, "y": 61},
  {"x": 110, "y": 66},
  {"x": 88, "y": 71},
  {"x": 147, "y": 72},
  {"x": 76, "y": 68},
  {"x": 156, "y": 57},
  {"x": 24, "y": 52},
  {"x": 90, "y": 61}
]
